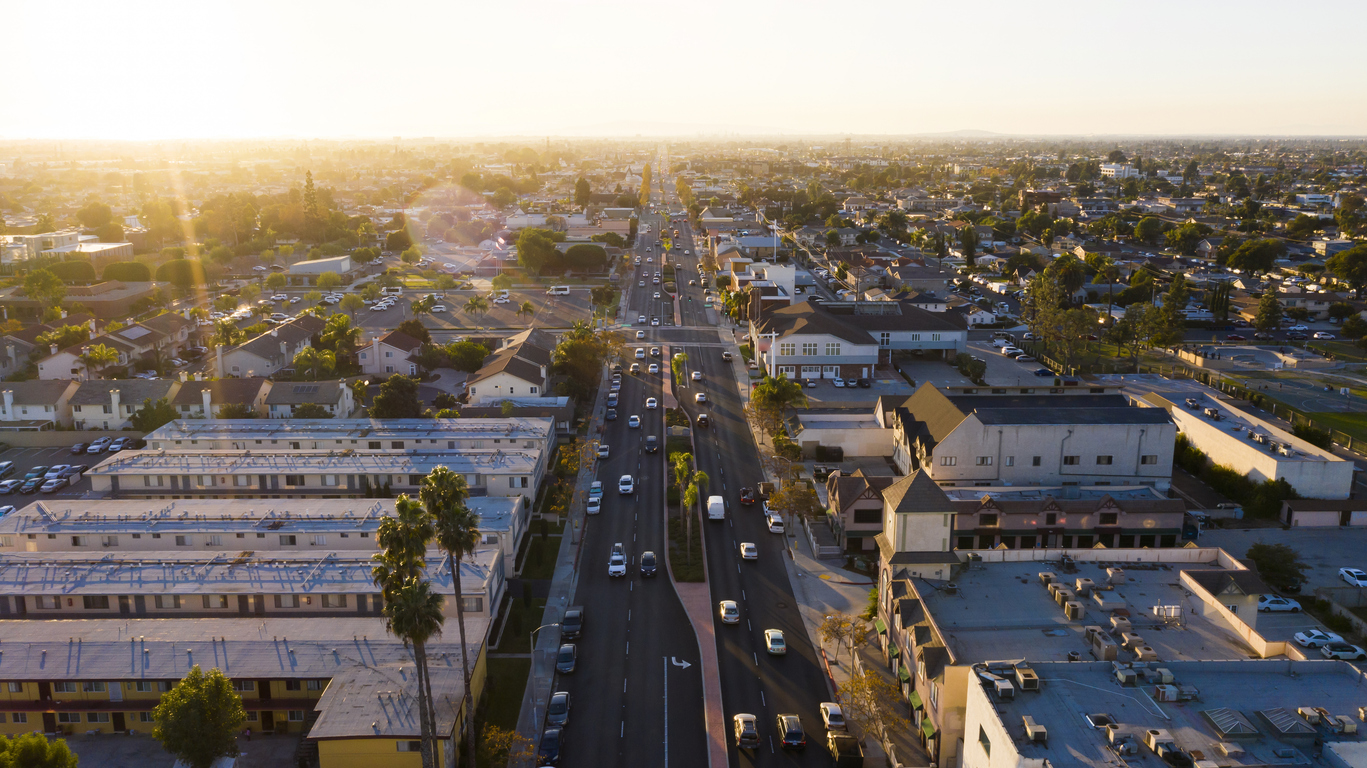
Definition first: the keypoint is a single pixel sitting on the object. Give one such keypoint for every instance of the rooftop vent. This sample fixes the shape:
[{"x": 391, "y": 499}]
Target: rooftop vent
[{"x": 1034, "y": 731}]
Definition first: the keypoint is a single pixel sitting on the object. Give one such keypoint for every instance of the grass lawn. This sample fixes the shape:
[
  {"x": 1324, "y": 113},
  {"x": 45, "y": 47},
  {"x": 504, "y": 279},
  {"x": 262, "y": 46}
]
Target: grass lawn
[
  {"x": 1341, "y": 350},
  {"x": 521, "y": 620},
  {"x": 678, "y": 558},
  {"x": 507, "y": 684},
  {"x": 1353, "y": 424},
  {"x": 539, "y": 562}
]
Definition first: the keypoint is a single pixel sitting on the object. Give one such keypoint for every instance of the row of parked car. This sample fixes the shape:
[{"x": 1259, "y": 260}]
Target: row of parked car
[{"x": 40, "y": 478}]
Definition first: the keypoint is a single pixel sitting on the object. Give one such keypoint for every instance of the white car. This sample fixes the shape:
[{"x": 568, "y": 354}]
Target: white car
[
  {"x": 1343, "y": 652},
  {"x": 634, "y": 422},
  {"x": 595, "y": 506},
  {"x": 832, "y": 716},
  {"x": 626, "y": 485},
  {"x": 774, "y": 522},
  {"x": 1314, "y": 638},
  {"x": 838, "y": 382},
  {"x": 700, "y": 398},
  {"x": 643, "y": 283},
  {"x": 1270, "y": 603},
  {"x": 640, "y": 353},
  {"x": 1354, "y": 576},
  {"x": 729, "y": 612},
  {"x": 1299, "y": 327},
  {"x": 748, "y": 551},
  {"x": 438, "y": 307},
  {"x": 1324, "y": 335},
  {"x": 280, "y": 297},
  {"x": 773, "y": 642},
  {"x": 654, "y": 321},
  {"x": 1012, "y": 351},
  {"x": 603, "y": 451},
  {"x": 657, "y": 294},
  {"x": 697, "y": 375},
  {"x": 654, "y": 368},
  {"x": 502, "y": 300},
  {"x": 640, "y": 334},
  {"x": 617, "y": 561},
  {"x": 640, "y": 318},
  {"x": 652, "y": 404},
  {"x": 596, "y": 489}
]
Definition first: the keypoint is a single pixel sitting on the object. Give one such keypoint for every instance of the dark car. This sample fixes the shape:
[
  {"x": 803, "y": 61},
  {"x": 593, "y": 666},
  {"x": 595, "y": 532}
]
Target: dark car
[
  {"x": 652, "y": 444},
  {"x": 790, "y": 731},
  {"x": 558, "y": 711},
  {"x": 572, "y": 624},
  {"x": 726, "y": 355},
  {"x": 1043, "y": 372},
  {"x": 747, "y": 495},
  {"x": 37, "y": 472},
  {"x": 703, "y": 421},
  {"x": 1260, "y": 336},
  {"x": 864, "y": 383},
  {"x": 79, "y": 448},
  {"x": 1234, "y": 337},
  {"x": 551, "y": 742},
  {"x": 1297, "y": 336},
  {"x": 32, "y": 485},
  {"x": 566, "y": 658},
  {"x": 648, "y": 564},
  {"x": 611, "y": 414},
  {"x": 1293, "y": 587}
]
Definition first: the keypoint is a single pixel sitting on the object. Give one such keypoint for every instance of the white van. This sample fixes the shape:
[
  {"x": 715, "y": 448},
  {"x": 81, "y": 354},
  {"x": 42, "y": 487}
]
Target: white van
[
  {"x": 716, "y": 508},
  {"x": 396, "y": 291},
  {"x": 558, "y": 290}
]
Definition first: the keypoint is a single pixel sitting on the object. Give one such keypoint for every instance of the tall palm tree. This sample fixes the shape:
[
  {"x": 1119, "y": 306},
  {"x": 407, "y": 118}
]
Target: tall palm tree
[
  {"x": 683, "y": 476},
  {"x": 97, "y": 357},
  {"x": 444, "y": 493},
  {"x": 527, "y": 309},
  {"x": 476, "y": 305},
  {"x": 226, "y": 333},
  {"x": 402, "y": 558}
]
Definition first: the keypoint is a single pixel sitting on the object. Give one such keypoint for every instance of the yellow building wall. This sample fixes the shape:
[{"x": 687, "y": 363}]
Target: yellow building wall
[{"x": 370, "y": 753}]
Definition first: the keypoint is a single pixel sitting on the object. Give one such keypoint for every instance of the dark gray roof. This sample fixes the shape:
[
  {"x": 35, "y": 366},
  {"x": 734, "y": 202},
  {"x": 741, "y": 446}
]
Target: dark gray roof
[
  {"x": 1217, "y": 582},
  {"x": 267, "y": 345},
  {"x": 131, "y": 391},
  {"x": 300, "y": 392},
  {"x": 508, "y": 361},
  {"x": 1057, "y": 409},
  {"x": 917, "y": 493},
  {"x": 222, "y": 391},
  {"x": 37, "y": 391}
]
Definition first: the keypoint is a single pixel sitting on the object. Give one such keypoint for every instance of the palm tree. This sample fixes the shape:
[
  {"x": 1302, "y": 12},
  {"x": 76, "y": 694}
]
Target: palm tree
[
  {"x": 683, "y": 476},
  {"x": 98, "y": 356},
  {"x": 444, "y": 493},
  {"x": 477, "y": 305},
  {"x": 226, "y": 333},
  {"x": 398, "y": 572},
  {"x": 527, "y": 309}
]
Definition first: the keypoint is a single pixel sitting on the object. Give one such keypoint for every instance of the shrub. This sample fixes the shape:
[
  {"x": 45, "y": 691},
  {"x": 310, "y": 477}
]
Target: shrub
[
  {"x": 1315, "y": 437},
  {"x": 128, "y": 272},
  {"x": 182, "y": 273},
  {"x": 73, "y": 271}
]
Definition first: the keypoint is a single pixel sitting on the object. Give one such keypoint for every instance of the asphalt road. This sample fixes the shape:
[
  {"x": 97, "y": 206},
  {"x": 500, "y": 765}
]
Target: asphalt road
[{"x": 632, "y": 704}]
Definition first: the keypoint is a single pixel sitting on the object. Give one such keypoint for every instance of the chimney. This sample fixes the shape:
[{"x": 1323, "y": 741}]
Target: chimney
[
  {"x": 184, "y": 376},
  {"x": 9, "y": 403},
  {"x": 275, "y": 332},
  {"x": 375, "y": 353},
  {"x": 114, "y": 401},
  {"x": 208, "y": 398},
  {"x": 64, "y": 314},
  {"x": 53, "y": 348},
  {"x": 91, "y": 323},
  {"x": 285, "y": 349},
  {"x": 218, "y": 359}
]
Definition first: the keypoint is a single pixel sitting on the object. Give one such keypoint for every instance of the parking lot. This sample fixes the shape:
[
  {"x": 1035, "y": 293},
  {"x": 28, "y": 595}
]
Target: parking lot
[
  {"x": 1324, "y": 550},
  {"x": 26, "y": 459}
]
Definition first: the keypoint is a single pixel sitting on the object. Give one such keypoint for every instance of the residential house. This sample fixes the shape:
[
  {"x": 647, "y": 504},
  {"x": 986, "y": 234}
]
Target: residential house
[
  {"x": 160, "y": 338},
  {"x": 36, "y": 404},
  {"x": 923, "y": 279},
  {"x": 109, "y": 405},
  {"x": 205, "y": 399},
  {"x": 856, "y": 508},
  {"x": 286, "y": 396},
  {"x": 270, "y": 352},
  {"x": 520, "y": 369},
  {"x": 395, "y": 352}
]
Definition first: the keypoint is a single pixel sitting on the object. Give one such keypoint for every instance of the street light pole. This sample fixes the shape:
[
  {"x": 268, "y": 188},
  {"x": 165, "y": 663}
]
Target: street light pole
[{"x": 531, "y": 647}]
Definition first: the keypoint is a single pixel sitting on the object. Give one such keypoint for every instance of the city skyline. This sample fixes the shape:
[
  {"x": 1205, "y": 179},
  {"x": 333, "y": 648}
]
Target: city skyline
[{"x": 156, "y": 71}]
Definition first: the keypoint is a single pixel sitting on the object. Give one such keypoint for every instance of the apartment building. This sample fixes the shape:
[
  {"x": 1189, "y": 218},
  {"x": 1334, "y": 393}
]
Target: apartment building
[
  {"x": 109, "y": 405},
  {"x": 36, "y": 404},
  {"x": 204, "y": 399},
  {"x": 284, "y": 397}
]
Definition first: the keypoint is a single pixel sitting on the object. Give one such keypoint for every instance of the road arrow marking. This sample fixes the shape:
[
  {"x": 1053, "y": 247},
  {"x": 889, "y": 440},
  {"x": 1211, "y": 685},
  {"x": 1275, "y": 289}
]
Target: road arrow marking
[{"x": 680, "y": 664}]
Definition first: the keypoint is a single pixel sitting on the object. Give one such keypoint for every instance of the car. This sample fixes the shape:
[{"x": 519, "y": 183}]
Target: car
[
  {"x": 594, "y": 506},
  {"x": 748, "y": 551},
  {"x": 832, "y": 716},
  {"x": 634, "y": 422},
  {"x": 7, "y": 509},
  {"x": 641, "y": 318},
  {"x": 697, "y": 376},
  {"x": 558, "y": 711},
  {"x": 745, "y": 728},
  {"x": 640, "y": 353},
  {"x": 1010, "y": 351},
  {"x": 1270, "y": 603},
  {"x": 747, "y": 495},
  {"x": 99, "y": 446},
  {"x": 1324, "y": 335},
  {"x": 773, "y": 521},
  {"x": 654, "y": 368},
  {"x": 53, "y": 485},
  {"x": 1314, "y": 638},
  {"x": 692, "y": 282},
  {"x": 604, "y": 450},
  {"x": 635, "y": 369},
  {"x": 1043, "y": 372},
  {"x": 9, "y": 486},
  {"x": 32, "y": 485},
  {"x": 55, "y": 470},
  {"x": 596, "y": 489},
  {"x": 617, "y": 561},
  {"x": 774, "y": 644},
  {"x": 657, "y": 294},
  {"x": 502, "y": 300},
  {"x": 703, "y": 422},
  {"x": 790, "y": 731},
  {"x": 652, "y": 404},
  {"x": 438, "y": 307},
  {"x": 640, "y": 334},
  {"x": 1260, "y": 336},
  {"x": 652, "y": 444},
  {"x": 1343, "y": 652},
  {"x": 649, "y": 564},
  {"x": 864, "y": 383},
  {"x": 700, "y": 398},
  {"x": 1355, "y": 577},
  {"x": 548, "y": 751},
  {"x": 811, "y": 383},
  {"x": 729, "y": 611},
  {"x": 838, "y": 382},
  {"x": 626, "y": 485},
  {"x": 572, "y": 624},
  {"x": 1296, "y": 336},
  {"x": 727, "y": 356},
  {"x": 36, "y": 473},
  {"x": 1299, "y": 327},
  {"x": 1234, "y": 337},
  {"x": 120, "y": 444},
  {"x": 654, "y": 351},
  {"x": 1025, "y": 359},
  {"x": 611, "y": 415},
  {"x": 79, "y": 448}
]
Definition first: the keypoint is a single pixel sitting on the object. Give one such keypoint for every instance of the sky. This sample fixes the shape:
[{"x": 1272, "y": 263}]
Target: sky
[{"x": 145, "y": 69}]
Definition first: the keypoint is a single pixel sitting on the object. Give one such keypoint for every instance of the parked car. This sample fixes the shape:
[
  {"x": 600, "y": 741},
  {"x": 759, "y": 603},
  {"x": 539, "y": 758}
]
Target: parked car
[
  {"x": 9, "y": 486},
  {"x": 120, "y": 444},
  {"x": 1314, "y": 638},
  {"x": 79, "y": 448},
  {"x": 1343, "y": 652},
  {"x": 1271, "y": 603},
  {"x": 1355, "y": 577},
  {"x": 1043, "y": 372},
  {"x": 1234, "y": 337},
  {"x": 32, "y": 485},
  {"x": 552, "y": 740},
  {"x": 36, "y": 473},
  {"x": 832, "y": 716},
  {"x": 1324, "y": 335},
  {"x": 558, "y": 710},
  {"x": 1297, "y": 336},
  {"x": 98, "y": 446},
  {"x": 53, "y": 485}
]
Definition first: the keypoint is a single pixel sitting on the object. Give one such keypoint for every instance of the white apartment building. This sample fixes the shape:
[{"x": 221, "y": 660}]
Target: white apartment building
[{"x": 1119, "y": 171}]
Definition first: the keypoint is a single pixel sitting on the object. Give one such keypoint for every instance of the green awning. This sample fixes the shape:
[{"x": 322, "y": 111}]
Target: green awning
[
  {"x": 915, "y": 700},
  {"x": 880, "y": 626},
  {"x": 903, "y": 674},
  {"x": 928, "y": 728},
  {"x": 894, "y": 651}
]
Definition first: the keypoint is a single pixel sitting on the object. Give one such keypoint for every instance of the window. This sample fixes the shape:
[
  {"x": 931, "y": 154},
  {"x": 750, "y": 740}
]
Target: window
[
  {"x": 868, "y": 515},
  {"x": 16, "y": 687},
  {"x": 293, "y": 685},
  {"x": 934, "y": 337},
  {"x": 296, "y": 715},
  {"x": 1103, "y": 460},
  {"x": 313, "y": 685},
  {"x": 373, "y": 445},
  {"x": 1149, "y": 459},
  {"x": 832, "y": 348},
  {"x": 206, "y": 481},
  {"x": 408, "y": 746},
  {"x": 984, "y": 461},
  {"x": 242, "y": 481},
  {"x": 63, "y": 687},
  {"x": 109, "y": 541},
  {"x": 915, "y": 337},
  {"x": 294, "y": 479},
  {"x": 987, "y": 519},
  {"x": 334, "y": 601},
  {"x": 1051, "y": 518},
  {"x": 885, "y": 339},
  {"x": 183, "y": 541},
  {"x": 22, "y": 717},
  {"x": 787, "y": 349},
  {"x": 167, "y": 601},
  {"x": 152, "y": 482},
  {"x": 146, "y": 717},
  {"x": 96, "y": 602},
  {"x": 319, "y": 540},
  {"x": 809, "y": 349},
  {"x": 287, "y": 540},
  {"x": 93, "y": 687},
  {"x": 1009, "y": 461},
  {"x": 286, "y": 601},
  {"x": 79, "y": 541},
  {"x": 1071, "y": 461},
  {"x": 534, "y": 390},
  {"x": 70, "y": 717},
  {"x": 48, "y": 603},
  {"x": 214, "y": 540},
  {"x": 1035, "y": 462},
  {"x": 165, "y": 685},
  {"x": 97, "y": 717},
  {"x": 330, "y": 479},
  {"x": 984, "y": 741},
  {"x": 397, "y": 445},
  {"x": 472, "y": 604},
  {"x": 948, "y": 461},
  {"x": 242, "y": 686},
  {"x": 215, "y": 601},
  {"x": 1110, "y": 518},
  {"x": 142, "y": 687}
]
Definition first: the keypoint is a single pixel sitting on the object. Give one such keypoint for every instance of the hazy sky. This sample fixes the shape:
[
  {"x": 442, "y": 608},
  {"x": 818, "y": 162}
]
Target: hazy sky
[{"x": 137, "y": 69}]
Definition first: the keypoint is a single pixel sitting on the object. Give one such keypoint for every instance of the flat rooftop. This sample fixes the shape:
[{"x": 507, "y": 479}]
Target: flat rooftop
[
  {"x": 1039, "y": 493},
  {"x": 274, "y": 516},
  {"x": 350, "y": 429},
  {"x": 1002, "y": 610},
  {"x": 1249, "y": 705},
  {"x": 227, "y": 462},
  {"x": 223, "y": 573}
]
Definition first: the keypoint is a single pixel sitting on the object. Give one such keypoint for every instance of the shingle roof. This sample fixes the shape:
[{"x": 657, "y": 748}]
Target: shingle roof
[
  {"x": 1216, "y": 582},
  {"x": 222, "y": 391},
  {"x": 917, "y": 494},
  {"x": 131, "y": 391},
  {"x": 267, "y": 345},
  {"x": 401, "y": 340},
  {"x": 37, "y": 392},
  {"x": 300, "y": 392}
]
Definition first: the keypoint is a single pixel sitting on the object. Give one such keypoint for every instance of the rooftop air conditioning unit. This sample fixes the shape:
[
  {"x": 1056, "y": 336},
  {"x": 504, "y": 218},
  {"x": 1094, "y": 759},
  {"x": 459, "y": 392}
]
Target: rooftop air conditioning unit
[
  {"x": 1229, "y": 749},
  {"x": 1212, "y": 413},
  {"x": 1165, "y": 692},
  {"x": 1063, "y": 595},
  {"x": 1047, "y": 577},
  {"x": 1074, "y": 610},
  {"x": 1027, "y": 679},
  {"x": 1120, "y": 624},
  {"x": 1005, "y": 690},
  {"x": 1145, "y": 653},
  {"x": 1034, "y": 731},
  {"x": 1125, "y": 675},
  {"x": 1154, "y": 737},
  {"x": 1129, "y": 641},
  {"x": 1085, "y": 586},
  {"x": 1104, "y": 648},
  {"x": 1115, "y": 576},
  {"x": 1164, "y": 675}
]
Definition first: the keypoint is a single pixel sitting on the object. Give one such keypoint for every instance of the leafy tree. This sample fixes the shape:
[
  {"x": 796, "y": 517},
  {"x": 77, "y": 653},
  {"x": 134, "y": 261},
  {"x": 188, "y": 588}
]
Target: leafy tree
[
  {"x": 416, "y": 329},
  {"x": 351, "y": 304},
  {"x": 128, "y": 272},
  {"x": 1303, "y": 226},
  {"x": 466, "y": 355},
  {"x": 968, "y": 242},
  {"x": 313, "y": 364},
  {"x": 1354, "y": 327},
  {"x": 398, "y": 240},
  {"x": 536, "y": 249},
  {"x": 44, "y": 287},
  {"x": 33, "y": 750},
  {"x": 198, "y": 720},
  {"x": 45, "y": 224},
  {"x": 870, "y": 702},
  {"x": 66, "y": 336},
  {"x": 841, "y": 628},
  {"x": 1185, "y": 238},
  {"x": 226, "y": 333},
  {"x": 95, "y": 215},
  {"x": 238, "y": 411},
  {"x": 770, "y": 401},
  {"x": 276, "y": 280},
  {"x": 1350, "y": 266},
  {"x": 1148, "y": 230},
  {"x": 1134, "y": 331},
  {"x": 411, "y": 255},
  {"x": 1256, "y": 256},
  {"x": 502, "y": 747},
  {"x": 579, "y": 357},
  {"x": 329, "y": 280},
  {"x": 1171, "y": 321},
  {"x": 1269, "y": 312},
  {"x": 311, "y": 411},
  {"x": 581, "y": 192},
  {"x": 1278, "y": 564},
  {"x": 153, "y": 415},
  {"x": 398, "y": 399},
  {"x": 82, "y": 272},
  {"x": 501, "y": 282},
  {"x": 182, "y": 273},
  {"x": 1341, "y": 310}
]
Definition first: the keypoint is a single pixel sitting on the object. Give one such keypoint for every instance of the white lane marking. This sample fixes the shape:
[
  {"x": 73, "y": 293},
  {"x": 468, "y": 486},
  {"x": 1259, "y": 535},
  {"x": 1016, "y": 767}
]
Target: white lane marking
[
  {"x": 748, "y": 626},
  {"x": 624, "y": 730},
  {"x": 628, "y": 648},
  {"x": 762, "y": 702},
  {"x": 666, "y": 697},
  {"x": 737, "y": 567},
  {"x": 624, "y": 685},
  {"x": 756, "y": 655}
]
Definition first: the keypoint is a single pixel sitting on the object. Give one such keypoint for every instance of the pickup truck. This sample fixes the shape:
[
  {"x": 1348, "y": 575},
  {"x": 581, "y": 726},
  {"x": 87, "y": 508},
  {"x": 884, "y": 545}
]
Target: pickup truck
[{"x": 845, "y": 749}]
